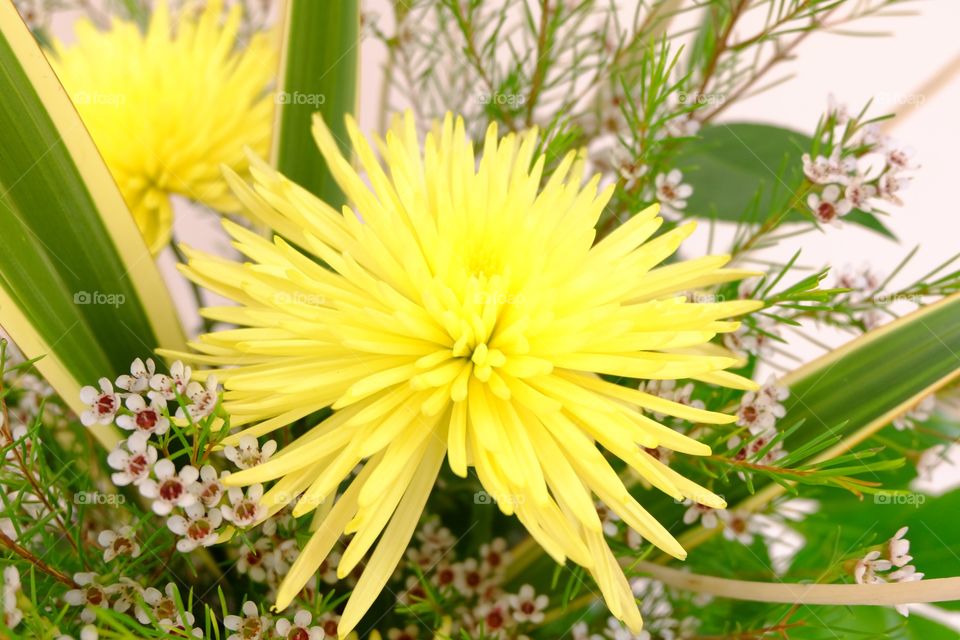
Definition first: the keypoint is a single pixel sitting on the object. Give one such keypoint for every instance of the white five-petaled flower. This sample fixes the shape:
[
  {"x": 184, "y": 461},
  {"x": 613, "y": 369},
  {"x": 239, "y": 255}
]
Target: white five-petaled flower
[
  {"x": 696, "y": 511},
  {"x": 103, "y": 404},
  {"x": 672, "y": 193},
  {"x": 197, "y": 527},
  {"x": 858, "y": 194},
  {"x": 889, "y": 185},
  {"x": 738, "y": 525},
  {"x": 899, "y": 159},
  {"x": 829, "y": 207},
  {"x": 818, "y": 170},
  {"x": 203, "y": 399},
  {"x": 119, "y": 543},
  {"x": 132, "y": 461},
  {"x": 244, "y": 510},
  {"x": 167, "y": 387},
  {"x": 163, "y": 607},
  {"x": 629, "y": 168},
  {"x": 139, "y": 378},
  {"x": 89, "y": 595},
  {"x": 170, "y": 489},
  {"x": 248, "y": 452},
  {"x": 898, "y": 548},
  {"x": 759, "y": 411},
  {"x": 147, "y": 419},
  {"x": 124, "y": 593},
  {"x": 209, "y": 487},
  {"x": 300, "y": 628},
  {"x": 527, "y": 606},
  {"x": 250, "y": 626}
]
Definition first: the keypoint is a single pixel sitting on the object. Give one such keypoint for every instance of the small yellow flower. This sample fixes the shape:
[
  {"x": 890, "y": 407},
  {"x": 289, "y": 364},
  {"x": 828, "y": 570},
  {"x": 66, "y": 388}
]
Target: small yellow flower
[
  {"x": 466, "y": 314},
  {"x": 169, "y": 107}
]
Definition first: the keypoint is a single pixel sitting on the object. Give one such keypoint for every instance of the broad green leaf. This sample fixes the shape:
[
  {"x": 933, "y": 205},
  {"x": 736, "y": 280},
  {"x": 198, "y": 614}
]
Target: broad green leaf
[
  {"x": 77, "y": 283},
  {"x": 730, "y": 163},
  {"x": 318, "y": 73},
  {"x": 858, "y": 389}
]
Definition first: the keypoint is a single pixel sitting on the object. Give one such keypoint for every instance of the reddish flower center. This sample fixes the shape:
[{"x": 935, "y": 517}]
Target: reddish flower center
[
  {"x": 199, "y": 529},
  {"x": 251, "y": 627},
  {"x": 330, "y": 628},
  {"x": 171, "y": 490},
  {"x": 147, "y": 419},
  {"x": 137, "y": 464},
  {"x": 826, "y": 211},
  {"x": 166, "y": 609},
  {"x": 527, "y": 607},
  {"x": 298, "y": 633},
  {"x": 494, "y": 619},
  {"x": 246, "y": 510},
  {"x": 106, "y": 404},
  {"x": 95, "y": 595}
]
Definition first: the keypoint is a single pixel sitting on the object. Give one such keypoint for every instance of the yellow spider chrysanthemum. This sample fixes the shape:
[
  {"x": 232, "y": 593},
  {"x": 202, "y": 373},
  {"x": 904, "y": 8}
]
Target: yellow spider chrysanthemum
[
  {"x": 466, "y": 313},
  {"x": 169, "y": 107}
]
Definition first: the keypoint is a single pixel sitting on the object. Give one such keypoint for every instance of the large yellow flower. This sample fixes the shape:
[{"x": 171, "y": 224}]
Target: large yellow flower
[
  {"x": 169, "y": 107},
  {"x": 466, "y": 313}
]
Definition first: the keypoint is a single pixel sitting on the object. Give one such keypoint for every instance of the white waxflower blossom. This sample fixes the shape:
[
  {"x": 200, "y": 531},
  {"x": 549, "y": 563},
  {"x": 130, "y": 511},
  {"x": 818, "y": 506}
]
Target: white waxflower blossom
[
  {"x": 249, "y": 626},
  {"x": 119, "y": 543},
  {"x": 103, "y": 404},
  {"x": 828, "y": 207},
  {"x": 89, "y": 594},
  {"x": 301, "y": 627},
  {"x": 248, "y": 452},
  {"x": 170, "y": 489},
  {"x": 527, "y": 606},
  {"x": 196, "y": 528},
  {"x": 133, "y": 461},
  {"x": 138, "y": 380},
  {"x": 244, "y": 510},
  {"x": 671, "y": 192}
]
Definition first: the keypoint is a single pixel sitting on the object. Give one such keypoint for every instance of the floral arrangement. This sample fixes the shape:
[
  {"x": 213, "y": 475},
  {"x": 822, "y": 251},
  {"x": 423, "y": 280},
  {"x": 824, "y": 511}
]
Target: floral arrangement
[{"x": 467, "y": 372}]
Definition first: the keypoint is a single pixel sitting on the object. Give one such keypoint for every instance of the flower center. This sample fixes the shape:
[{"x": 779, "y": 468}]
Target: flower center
[
  {"x": 147, "y": 419},
  {"x": 171, "y": 490}
]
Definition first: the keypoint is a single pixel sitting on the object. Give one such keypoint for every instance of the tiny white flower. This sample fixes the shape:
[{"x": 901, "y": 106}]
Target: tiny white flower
[
  {"x": 889, "y": 185},
  {"x": 865, "y": 571},
  {"x": 203, "y": 399},
  {"x": 495, "y": 617},
  {"x": 88, "y": 594},
  {"x": 250, "y": 626},
  {"x": 139, "y": 378},
  {"x": 197, "y": 527},
  {"x": 527, "y": 606},
  {"x": 899, "y": 159},
  {"x": 898, "y": 548},
  {"x": 300, "y": 628},
  {"x": 133, "y": 460},
  {"x": 163, "y": 607},
  {"x": 737, "y": 525},
  {"x": 167, "y": 387},
  {"x": 858, "y": 194},
  {"x": 12, "y": 615},
  {"x": 630, "y": 170},
  {"x": 494, "y": 555},
  {"x": 103, "y": 404},
  {"x": 118, "y": 543},
  {"x": 147, "y": 419},
  {"x": 244, "y": 510},
  {"x": 818, "y": 170},
  {"x": 209, "y": 487},
  {"x": 828, "y": 207},
  {"x": 696, "y": 511},
  {"x": 248, "y": 452},
  {"x": 125, "y": 593},
  {"x": 170, "y": 489},
  {"x": 672, "y": 192}
]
